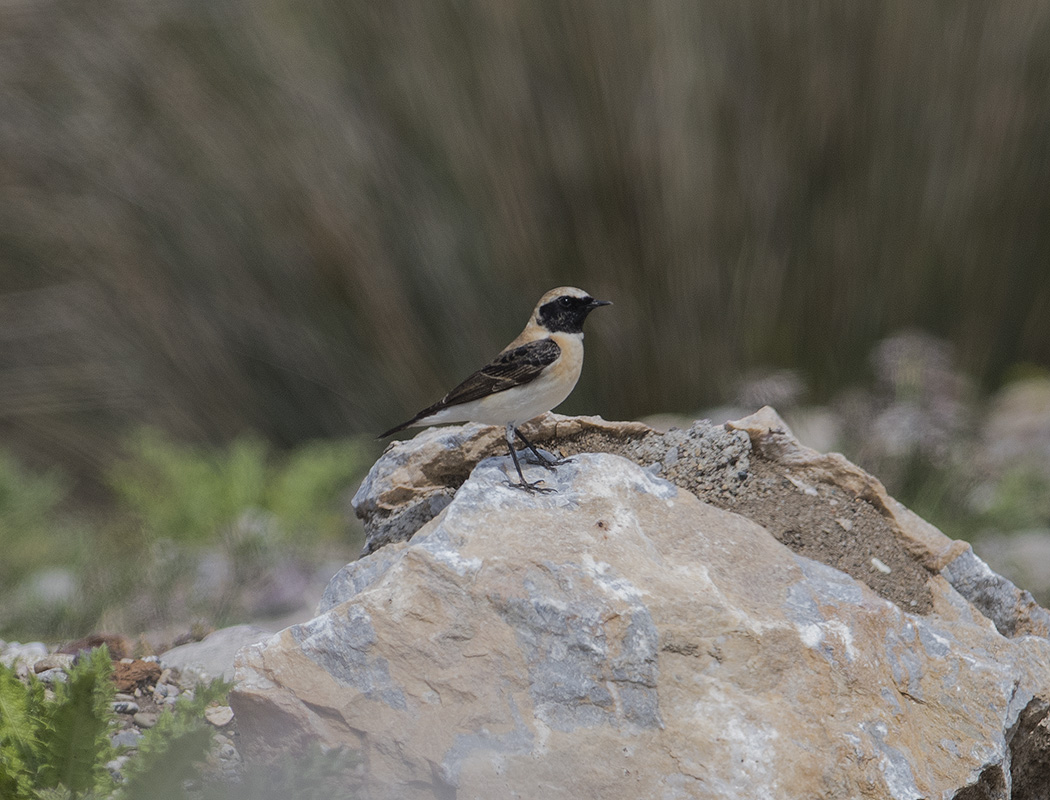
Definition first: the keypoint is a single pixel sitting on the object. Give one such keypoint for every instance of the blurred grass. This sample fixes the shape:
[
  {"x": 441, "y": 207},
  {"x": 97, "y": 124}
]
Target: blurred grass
[
  {"x": 186, "y": 494},
  {"x": 281, "y": 217},
  {"x": 246, "y": 226},
  {"x": 193, "y": 533}
]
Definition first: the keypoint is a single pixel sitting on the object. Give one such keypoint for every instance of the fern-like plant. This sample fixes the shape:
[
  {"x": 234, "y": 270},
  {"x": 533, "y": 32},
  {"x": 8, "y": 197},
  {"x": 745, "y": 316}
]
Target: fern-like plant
[
  {"x": 170, "y": 752},
  {"x": 58, "y": 746}
]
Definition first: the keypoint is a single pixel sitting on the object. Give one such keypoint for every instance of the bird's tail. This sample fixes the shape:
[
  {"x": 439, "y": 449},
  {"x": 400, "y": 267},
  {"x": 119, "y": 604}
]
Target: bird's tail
[{"x": 397, "y": 428}]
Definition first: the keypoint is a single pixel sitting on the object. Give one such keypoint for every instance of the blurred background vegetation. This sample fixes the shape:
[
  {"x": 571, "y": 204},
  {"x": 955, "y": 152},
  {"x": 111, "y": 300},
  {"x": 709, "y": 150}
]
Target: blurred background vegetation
[{"x": 238, "y": 238}]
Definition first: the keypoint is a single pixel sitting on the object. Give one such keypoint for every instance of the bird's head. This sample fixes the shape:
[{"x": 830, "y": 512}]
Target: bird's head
[{"x": 564, "y": 309}]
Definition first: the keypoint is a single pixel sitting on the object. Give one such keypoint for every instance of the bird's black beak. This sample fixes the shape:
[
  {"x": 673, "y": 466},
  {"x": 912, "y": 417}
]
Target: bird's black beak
[{"x": 597, "y": 304}]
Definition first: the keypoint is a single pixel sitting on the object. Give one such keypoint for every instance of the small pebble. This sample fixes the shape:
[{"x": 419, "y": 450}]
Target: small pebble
[
  {"x": 116, "y": 765},
  {"x": 127, "y": 738},
  {"x": 880, "y": 566},
  {"x": 145, "y": 719},
  {"x": 844, "y": 523},
  {"x": 53, "y": 676},
  {"x": 124, "y": 697},
  {"x": 53, "y": 661},
  {"x": 218, "y": 716},
  {"x": 22, "y": 655}
]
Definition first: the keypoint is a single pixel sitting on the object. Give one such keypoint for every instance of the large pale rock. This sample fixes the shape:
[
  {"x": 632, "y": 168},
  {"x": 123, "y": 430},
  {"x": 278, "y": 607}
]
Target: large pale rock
[
  {"x": 620, "y": 638},
  {"x": 415, "y": 479}
]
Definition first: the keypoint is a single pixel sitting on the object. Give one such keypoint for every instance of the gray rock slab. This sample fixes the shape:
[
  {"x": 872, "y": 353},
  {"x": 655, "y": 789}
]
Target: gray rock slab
[{"x": 212, "y": 657}]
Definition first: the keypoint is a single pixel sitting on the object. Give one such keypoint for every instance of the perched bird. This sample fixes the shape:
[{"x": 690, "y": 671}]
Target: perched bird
[{"x": 531, "y": 375}]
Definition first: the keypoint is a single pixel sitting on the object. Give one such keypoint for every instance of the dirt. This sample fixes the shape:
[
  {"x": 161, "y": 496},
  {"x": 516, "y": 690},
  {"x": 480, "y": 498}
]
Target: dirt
[{"x": 825, "y": 523}]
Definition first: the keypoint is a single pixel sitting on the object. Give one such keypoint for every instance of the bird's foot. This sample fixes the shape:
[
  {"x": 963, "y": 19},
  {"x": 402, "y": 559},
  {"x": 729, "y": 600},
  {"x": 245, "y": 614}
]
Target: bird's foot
[
  {"x": 544, "y": 460},
  {"x": 533, "y": 487}
]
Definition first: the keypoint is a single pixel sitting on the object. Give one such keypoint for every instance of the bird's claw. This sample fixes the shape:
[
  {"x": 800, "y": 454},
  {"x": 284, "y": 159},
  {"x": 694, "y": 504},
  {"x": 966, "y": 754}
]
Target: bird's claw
[{"x": 534, "y": 486}]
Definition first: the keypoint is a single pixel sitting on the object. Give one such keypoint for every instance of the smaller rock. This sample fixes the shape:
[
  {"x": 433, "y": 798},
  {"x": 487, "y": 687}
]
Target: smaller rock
[
  {"x": 127, "y": 738},
  {"x": 212, "y": 657},
  {"x": 133, "y": 674},
  {"x": 53, "y": 676},
  {"x": 118, "y": 646},
  {"x": 22, "y": 655},
  {"x": 62, "y": 661},
  {"x": 116, "y": 765},
  {"x": 146, "y": 719},
  {"x": 126, "y": 707},
  {"x": 219, "y": 716}
]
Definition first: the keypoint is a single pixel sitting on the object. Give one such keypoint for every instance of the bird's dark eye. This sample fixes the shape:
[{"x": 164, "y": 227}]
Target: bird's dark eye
[{"x": 565, "y": 301}]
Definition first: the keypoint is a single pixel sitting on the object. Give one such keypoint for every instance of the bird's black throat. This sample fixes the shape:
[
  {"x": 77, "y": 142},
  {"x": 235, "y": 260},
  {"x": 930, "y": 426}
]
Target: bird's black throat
[{"x": 565, "y": 314}]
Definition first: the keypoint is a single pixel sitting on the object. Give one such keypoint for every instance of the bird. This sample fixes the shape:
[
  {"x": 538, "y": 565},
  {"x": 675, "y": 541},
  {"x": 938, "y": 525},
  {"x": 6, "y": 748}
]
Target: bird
[{"x": 529, "y": 377}]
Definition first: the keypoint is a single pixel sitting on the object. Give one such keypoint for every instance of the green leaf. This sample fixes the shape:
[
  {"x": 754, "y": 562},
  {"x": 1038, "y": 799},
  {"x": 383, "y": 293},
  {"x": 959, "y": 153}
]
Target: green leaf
[
  {"x": 170, "y": 752},
  {"x": 19, "y": 745},
  {"x": 77, "y": 744}
]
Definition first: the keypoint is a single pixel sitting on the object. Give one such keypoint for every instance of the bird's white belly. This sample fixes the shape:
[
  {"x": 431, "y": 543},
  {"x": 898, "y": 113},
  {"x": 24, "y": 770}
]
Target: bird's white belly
[
  {"x": 516, "y": 405},
  {"x": 521, "y": 403}
]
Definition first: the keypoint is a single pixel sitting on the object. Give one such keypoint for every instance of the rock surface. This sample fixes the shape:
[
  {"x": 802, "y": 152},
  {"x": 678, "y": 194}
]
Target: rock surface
[
  {"x": 416, "y": 479},
  {"x": 622, "y": 637},
  {"x": 212, "y": 656}
]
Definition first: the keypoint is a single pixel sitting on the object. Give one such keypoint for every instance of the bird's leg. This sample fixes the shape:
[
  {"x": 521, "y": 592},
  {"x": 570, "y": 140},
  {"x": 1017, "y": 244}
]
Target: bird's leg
[
  {"x": 528, "y": 487},
  {"x": 544, "y": 461}
]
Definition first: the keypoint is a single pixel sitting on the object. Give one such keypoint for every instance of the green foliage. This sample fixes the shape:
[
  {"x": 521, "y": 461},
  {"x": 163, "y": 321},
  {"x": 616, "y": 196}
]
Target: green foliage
[
  {"x": 58, "y": 744},
  {"x": 1017, "y": 500},
  {"x": 20, "y": 723},
  {"x": 174, "y": 507},
  {"x": 192, "y": 494},
  {"x": 313, "y": 775},
  {"x": 966, "y": 505},
  {"x": 170, "y": 752},
  {"x": 304, "y": 490},
  {"x": 77, "y": 744},
  {"x": 28, "y": 505},
  {"x": 185, "y": 493},
  {"x": 168, "y": 765}
]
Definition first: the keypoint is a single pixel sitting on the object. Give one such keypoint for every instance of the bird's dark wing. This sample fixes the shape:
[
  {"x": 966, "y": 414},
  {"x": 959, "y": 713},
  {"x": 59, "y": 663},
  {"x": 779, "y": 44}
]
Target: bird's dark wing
[{"x": 510, "y": 368}]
